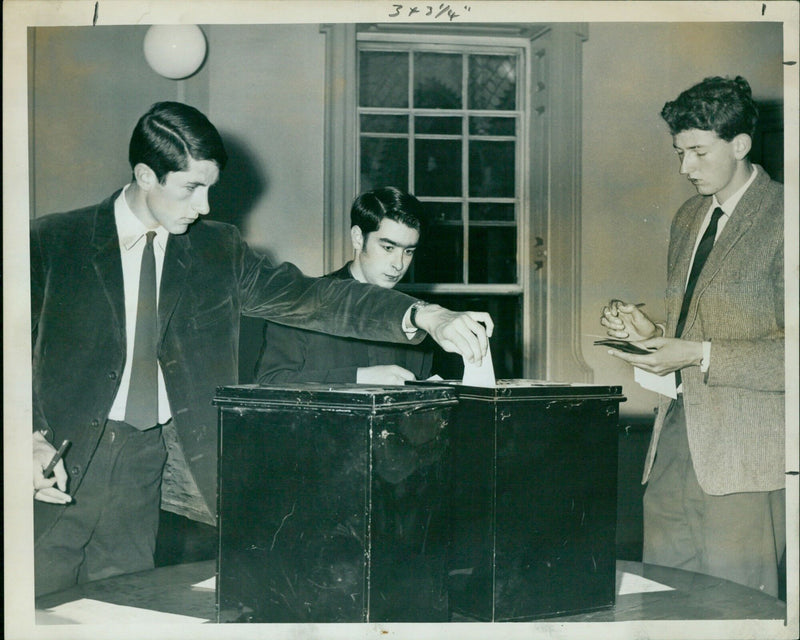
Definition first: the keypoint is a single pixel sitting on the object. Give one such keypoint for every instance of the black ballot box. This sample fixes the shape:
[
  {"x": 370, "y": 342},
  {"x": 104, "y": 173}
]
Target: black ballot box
[
  {"x": 534, "y": 470},
  {"x": 332, "y": 503}
]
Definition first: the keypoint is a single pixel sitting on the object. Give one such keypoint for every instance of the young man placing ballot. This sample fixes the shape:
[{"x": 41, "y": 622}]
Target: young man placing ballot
[{"x": 135, "y": 310}]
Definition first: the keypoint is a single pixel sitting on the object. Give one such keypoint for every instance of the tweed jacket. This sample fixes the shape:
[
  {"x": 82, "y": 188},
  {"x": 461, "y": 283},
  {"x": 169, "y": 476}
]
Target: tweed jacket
[
  {"x": 298, "y": 355},
  {"x": 735, "y": 415},
  {"x": 210, "y": 276}
]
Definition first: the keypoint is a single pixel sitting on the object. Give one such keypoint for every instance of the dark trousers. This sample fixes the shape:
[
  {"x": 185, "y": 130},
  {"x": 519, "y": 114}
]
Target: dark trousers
[
  {"x": 740, "y": 536},
  {"x": 110, "y": 527}
]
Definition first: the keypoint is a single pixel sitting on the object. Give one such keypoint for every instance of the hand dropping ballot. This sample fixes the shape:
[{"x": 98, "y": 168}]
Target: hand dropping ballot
[{"x": 480, "y": 375}]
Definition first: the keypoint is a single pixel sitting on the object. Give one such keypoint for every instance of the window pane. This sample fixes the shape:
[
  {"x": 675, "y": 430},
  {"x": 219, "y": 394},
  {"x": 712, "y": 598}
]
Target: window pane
[
  {"x": 491, "y": 169},
  {"x": 492, "y": 82},
  {"x": 384, "y": 124},
  {"x": 437, "y": 81},
  {"x": 384, "y": 161},
  {"x": 492, "y": 255},
  {"x": 384, "y": 79},
  {"x": 440, "y": 255},
  {"x": 491, "y": 212},
  {"x": 492, "y": 126},
  {"x": 432, "y": 124},
  {"x": 437, "y": 167},
  {"x": 444, "y": 211}
]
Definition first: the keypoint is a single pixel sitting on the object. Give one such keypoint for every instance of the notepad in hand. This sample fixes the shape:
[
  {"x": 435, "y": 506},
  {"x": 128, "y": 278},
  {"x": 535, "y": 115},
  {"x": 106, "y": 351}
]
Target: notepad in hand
[{"x": 622, "y": 345}]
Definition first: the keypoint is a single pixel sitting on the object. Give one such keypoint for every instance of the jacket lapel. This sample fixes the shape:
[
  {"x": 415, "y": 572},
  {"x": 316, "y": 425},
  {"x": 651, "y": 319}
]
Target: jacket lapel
[
  {"x": 107, "y": 261},
  {"x": 740, "y": 221},
  {"x": 177, "y": 261},
  {"x": 681, "y": 259}
]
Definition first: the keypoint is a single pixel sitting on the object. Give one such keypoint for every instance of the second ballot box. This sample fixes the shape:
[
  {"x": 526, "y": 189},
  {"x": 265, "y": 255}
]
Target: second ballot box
[
  {"x": 533, "y": 501},
  {"x": 332, "y": 503}
]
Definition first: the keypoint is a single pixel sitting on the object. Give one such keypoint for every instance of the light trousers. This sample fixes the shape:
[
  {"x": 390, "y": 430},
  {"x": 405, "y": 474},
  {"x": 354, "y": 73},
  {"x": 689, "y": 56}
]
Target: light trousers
[{"x": 739, "y": 537}]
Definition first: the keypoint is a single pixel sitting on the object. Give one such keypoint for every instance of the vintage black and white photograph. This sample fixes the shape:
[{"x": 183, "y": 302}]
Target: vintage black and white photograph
[{"x": 400, "y": 319}]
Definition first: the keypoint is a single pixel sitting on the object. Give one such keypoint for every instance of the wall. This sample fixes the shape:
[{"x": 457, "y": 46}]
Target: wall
[
  {"x": 89, "y": 87},
  {"x": 631, "y": 186},
  {"x": 267, "y": 85},
  {"x": 263, "y": 86}
]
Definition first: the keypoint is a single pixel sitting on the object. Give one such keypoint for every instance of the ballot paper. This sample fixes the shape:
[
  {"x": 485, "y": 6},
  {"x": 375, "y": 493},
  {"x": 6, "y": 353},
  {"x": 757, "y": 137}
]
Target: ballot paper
[
  {"x": 480, "y": 376},
  {"x": 665, "y": 385}
]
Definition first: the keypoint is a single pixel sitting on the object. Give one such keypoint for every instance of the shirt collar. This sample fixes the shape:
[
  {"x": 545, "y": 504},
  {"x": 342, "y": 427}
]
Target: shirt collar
[
  {"x": 730, "y": 203},
  {"x": 130, "y": 229}
]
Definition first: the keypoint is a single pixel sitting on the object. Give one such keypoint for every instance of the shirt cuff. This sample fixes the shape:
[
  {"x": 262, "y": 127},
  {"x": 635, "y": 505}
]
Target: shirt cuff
[
  {"x": 409, "y": 329},
  {"x": 706, "y": 361}
]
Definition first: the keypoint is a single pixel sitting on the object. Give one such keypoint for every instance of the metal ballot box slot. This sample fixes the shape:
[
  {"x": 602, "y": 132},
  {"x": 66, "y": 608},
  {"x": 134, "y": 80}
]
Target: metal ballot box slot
[
  {"x": 332, "y": 503},
  {"x": 534, "y": 468}
]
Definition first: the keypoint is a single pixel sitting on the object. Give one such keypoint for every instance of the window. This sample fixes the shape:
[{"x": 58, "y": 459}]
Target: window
[
  {"x": 445, "y": 126},
  {"x": 462, "y": 118}
]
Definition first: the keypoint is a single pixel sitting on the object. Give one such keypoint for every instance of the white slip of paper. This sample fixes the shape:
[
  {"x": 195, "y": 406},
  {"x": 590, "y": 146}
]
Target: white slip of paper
[
  {"x": 88, "y": 611},
  {"x": 628, "y": 583},
  {"x": 480, "y": 376},
  {"x": 211, "y": 583},
  {"x": 665, "y": 385}
]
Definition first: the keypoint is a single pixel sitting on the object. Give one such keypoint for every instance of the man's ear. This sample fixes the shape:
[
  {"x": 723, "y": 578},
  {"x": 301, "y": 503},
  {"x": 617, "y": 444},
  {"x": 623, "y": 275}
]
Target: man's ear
[
  {"x": 742, "y": 143},
  {"x": 145, "y": 177},
  {"x": 357, "y": 238}
]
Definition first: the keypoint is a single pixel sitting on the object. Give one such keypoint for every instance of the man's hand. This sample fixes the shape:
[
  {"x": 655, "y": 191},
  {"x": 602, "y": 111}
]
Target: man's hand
[
  {"x": 669, "y": 354},
  {"x": 627, "y": 322},
  {"x": 466, "y": 333},
  {"x": 383, "y": 374},
  {"x": 44, "y": 489}
]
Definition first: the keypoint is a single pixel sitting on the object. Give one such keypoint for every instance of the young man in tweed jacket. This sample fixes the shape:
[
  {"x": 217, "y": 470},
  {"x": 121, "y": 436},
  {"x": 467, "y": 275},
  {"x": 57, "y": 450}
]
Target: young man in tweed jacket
[{"x": 715, "y": 500}]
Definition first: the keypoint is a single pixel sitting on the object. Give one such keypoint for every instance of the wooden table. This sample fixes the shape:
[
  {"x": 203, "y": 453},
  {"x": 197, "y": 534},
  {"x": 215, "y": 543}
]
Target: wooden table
[{"x": 692, "y": 597}]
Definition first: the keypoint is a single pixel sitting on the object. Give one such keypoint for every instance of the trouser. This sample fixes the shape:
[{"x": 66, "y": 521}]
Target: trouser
[
  {"x": 110, "y": 527},
  {"x": 738, "y": 537}
]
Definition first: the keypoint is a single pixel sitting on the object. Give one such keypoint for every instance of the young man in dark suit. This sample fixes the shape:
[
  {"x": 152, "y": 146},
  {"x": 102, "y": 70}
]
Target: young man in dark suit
[
  {"x": 715, "y": 497},
  {"x": 385, "y": 230},
  {"x": 135, "y": 308}
]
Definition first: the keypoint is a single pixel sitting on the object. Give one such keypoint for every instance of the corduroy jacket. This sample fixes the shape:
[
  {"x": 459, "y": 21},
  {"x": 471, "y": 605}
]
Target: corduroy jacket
[{"x": 209, "y": 278}]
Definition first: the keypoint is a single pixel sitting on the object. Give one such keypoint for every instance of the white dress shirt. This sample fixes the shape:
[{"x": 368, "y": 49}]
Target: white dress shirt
[{"x": 132, "y": 240}]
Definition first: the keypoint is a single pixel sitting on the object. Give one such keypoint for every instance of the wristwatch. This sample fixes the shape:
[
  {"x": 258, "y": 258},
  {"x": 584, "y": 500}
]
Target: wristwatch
[{"x": 412, "y": 318}]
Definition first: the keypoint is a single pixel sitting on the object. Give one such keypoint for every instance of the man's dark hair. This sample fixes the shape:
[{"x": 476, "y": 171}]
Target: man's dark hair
[
  {"x": 171, "y": 133},
  {"x": 387, "y": 202},
  {"x": 716, "y": 104}
]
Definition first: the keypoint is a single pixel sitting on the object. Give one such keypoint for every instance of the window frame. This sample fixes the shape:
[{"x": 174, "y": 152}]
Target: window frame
[
  {"x": 549, "y": 221},
  {"x": 485, "y": 45}
]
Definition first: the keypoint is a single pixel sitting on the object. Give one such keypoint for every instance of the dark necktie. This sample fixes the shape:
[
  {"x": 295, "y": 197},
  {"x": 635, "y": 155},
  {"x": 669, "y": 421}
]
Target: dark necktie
[
  {"x": 700, "y": 257},
  {"x": 141, "y": 410}
]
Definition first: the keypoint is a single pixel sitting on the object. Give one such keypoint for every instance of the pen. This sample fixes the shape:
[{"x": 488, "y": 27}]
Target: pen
[{"x": 56, "y": 457}]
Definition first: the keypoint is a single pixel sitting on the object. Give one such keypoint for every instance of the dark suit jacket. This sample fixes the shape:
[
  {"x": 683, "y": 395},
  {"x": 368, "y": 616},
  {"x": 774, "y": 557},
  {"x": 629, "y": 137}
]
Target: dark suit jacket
[
  {"x": 210, "y": 277},
  {"x": 298, "y": 355},
  {"x": 735, "y": 418}
]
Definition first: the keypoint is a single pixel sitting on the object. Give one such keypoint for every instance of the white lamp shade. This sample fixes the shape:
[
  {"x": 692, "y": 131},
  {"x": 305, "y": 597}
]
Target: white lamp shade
[{"x": 175, "y": 51}]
